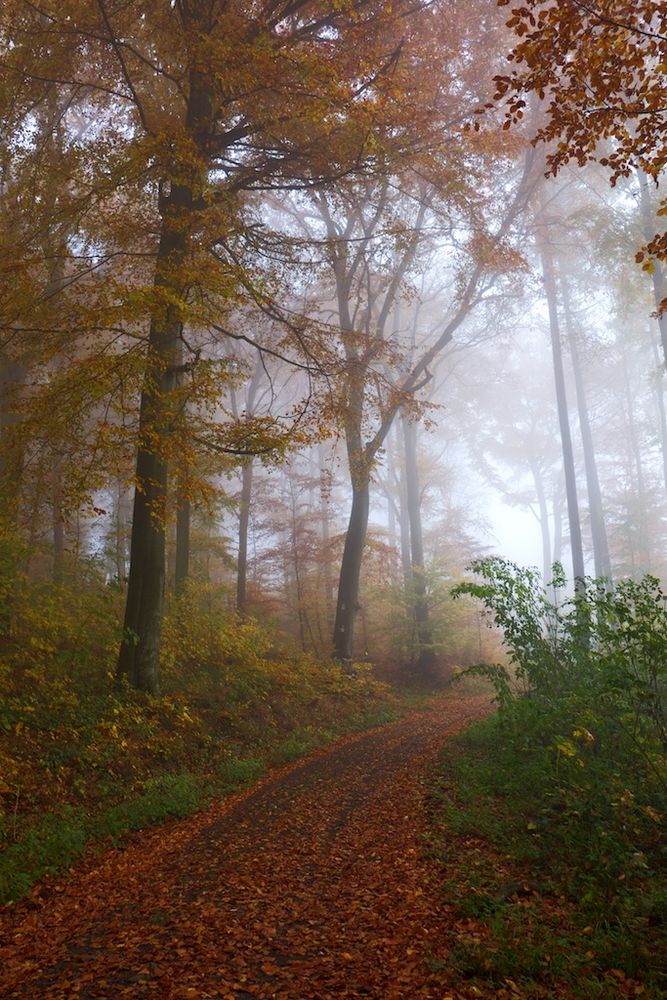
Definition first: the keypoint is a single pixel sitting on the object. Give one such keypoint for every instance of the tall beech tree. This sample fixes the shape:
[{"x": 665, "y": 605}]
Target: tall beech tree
[
  {"x": 373, "y": 239},
  {"x": 208, "y": 100},
  {"x": 601, "y": 560},
  {"x": 546, "y": 253}
]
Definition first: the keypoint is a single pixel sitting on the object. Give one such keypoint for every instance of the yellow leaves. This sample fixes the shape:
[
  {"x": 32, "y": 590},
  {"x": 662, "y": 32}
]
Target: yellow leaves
[
  {"x": 9, "y": 774},
  {"x": 566, "y": 748},
  {"x": 652, "y": 814}
]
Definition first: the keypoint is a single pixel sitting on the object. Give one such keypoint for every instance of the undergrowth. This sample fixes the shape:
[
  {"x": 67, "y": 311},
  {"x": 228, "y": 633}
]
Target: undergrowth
[
  {"x": 549, "y": 817},
  {"x": 83, "y": 761}
]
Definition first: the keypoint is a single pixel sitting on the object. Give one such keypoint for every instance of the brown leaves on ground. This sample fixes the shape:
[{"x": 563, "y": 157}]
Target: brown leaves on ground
[{"x": 311, "y": 885}]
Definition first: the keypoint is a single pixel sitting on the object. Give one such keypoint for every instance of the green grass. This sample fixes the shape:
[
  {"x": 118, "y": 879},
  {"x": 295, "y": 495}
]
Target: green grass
[
  {"x": 48, "y": 850},
  {"x": 233, "y": 772}
]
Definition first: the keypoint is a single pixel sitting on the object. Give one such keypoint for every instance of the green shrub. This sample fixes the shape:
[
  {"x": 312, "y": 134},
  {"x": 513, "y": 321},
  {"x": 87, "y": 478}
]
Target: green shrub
[
  {"x": 234, "y": 771},
  {"x": 572, "y": 773},
  {"x": 59, "y": 840},
  {"x": 165, "y": 797}
]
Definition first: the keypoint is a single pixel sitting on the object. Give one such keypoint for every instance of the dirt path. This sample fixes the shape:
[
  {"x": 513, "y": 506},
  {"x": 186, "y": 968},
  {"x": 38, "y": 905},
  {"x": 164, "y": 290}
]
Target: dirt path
[{"x": 312, "y": 885}]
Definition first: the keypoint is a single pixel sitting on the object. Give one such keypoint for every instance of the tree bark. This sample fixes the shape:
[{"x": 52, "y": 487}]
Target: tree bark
[
  {"x": 140, "y": 646},
  {"x": 547, "y": 559},
  {"x": 326, "y": 536},
  {"x": 138, "y": 658},
  {"x": 549, "y": 277},
  {"x": 182, "y": 561},
  {"x": 58, "y": 522},
  {"x": 425, "y": 653},
  {"x": 12, "y": 379},
  {"x": 660, "y": 403},
  {"x": 350, "y": 573},
  {"x": 657, "y": 274},
  {"x": 244, "y": 521},
  {"x": 601, "y": 558},
  {"x": 403, "y": 519},
  {"x": 640, "y": 554}
]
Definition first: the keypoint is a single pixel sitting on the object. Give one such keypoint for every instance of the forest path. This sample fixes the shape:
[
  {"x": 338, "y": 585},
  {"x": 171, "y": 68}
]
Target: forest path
[{"x": 312, "y": 884}]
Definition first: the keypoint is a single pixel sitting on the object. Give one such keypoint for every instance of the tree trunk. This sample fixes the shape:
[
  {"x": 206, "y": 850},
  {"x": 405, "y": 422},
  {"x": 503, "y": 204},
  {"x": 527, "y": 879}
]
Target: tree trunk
[
  {"x": 657, "y": 275},
  {"x": 12, "y": 378},
  {"x": 140, "y": 646},
  {"x": 547, "y": 560},
  {"x": 182, "y": 561},
  {"x": 601, "y": 558},
  {"x": 403, "y": 518},
  {"x": 557, "y": 508},
  {"x": 350, "y": 573},
  {"x": 640, "y": 554},
  {"x": 244, "y": 521},
  {"x": 120, "y": 550},
  {"x": 424, "y": 635},
  {"x": 549, "y": 276},
  {"x": 58, "y": 522},
  {"x": 660, "y": 402},
  {"x": 326, "y": 537}
]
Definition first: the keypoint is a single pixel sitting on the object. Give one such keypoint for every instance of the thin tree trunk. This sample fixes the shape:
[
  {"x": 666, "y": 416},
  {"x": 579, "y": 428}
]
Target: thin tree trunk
[
  {"x": 657, "y": 274},
  {"x": 424, "y": 635},
  {"x": 12, "y": 379},
  {"x": 543, "y": 519},
  {"x": 182, "y": 561},
  {"x": 557, "y": 507},
  {"x": 244, "y": 521},
  {"x": 662, "y": 412},
  {"x": 58, "y": 522},
  {"x": 119, "y": 535},
  {"x": 326, "y": 537},
  {"x": 404, "y": 520},
  {"x": 574, "y": 522},
  {"x": 601, "y": 558},
  {"x": 643, "y": 553}
]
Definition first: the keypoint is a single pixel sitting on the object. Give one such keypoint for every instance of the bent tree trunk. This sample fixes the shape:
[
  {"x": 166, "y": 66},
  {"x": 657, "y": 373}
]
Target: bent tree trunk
[
  {"x": 350, "y": 573},
  {"x": 425, "y": 653}
]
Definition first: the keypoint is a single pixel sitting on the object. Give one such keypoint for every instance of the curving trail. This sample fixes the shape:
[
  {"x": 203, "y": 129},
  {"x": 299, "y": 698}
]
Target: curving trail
[{"x": 311, "y": 885}]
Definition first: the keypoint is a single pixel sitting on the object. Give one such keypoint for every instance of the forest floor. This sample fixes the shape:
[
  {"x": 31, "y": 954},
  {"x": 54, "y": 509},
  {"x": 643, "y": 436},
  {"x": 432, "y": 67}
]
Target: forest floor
[{"x": 315, "y": 883}]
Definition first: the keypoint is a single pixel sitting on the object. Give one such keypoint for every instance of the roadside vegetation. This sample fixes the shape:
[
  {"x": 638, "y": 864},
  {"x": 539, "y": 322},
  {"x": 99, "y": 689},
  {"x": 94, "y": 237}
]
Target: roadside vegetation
[
  {"x": 549, "y": 818},
  {"x": 85, "y": 760}
]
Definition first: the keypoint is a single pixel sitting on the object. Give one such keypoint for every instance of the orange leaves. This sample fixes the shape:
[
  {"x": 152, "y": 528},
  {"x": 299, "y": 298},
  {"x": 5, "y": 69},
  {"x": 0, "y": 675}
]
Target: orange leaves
[{"x": 316, "y": 878}]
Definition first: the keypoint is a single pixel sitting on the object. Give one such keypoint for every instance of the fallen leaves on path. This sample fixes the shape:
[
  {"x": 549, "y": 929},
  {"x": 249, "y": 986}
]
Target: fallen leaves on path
[{"x": 312, "y": 885}]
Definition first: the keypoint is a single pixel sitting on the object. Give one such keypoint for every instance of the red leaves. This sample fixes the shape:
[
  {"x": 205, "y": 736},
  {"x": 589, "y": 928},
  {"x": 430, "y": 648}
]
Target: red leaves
[{"x": 316, "y": 878}]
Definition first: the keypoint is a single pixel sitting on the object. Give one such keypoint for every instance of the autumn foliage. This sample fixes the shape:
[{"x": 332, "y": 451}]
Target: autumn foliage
[{"x": 598, "y": 70}]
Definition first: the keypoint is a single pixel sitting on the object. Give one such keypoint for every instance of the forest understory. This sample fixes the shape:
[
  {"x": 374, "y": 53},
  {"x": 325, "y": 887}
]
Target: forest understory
[{"x": 374, "y": 868}]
